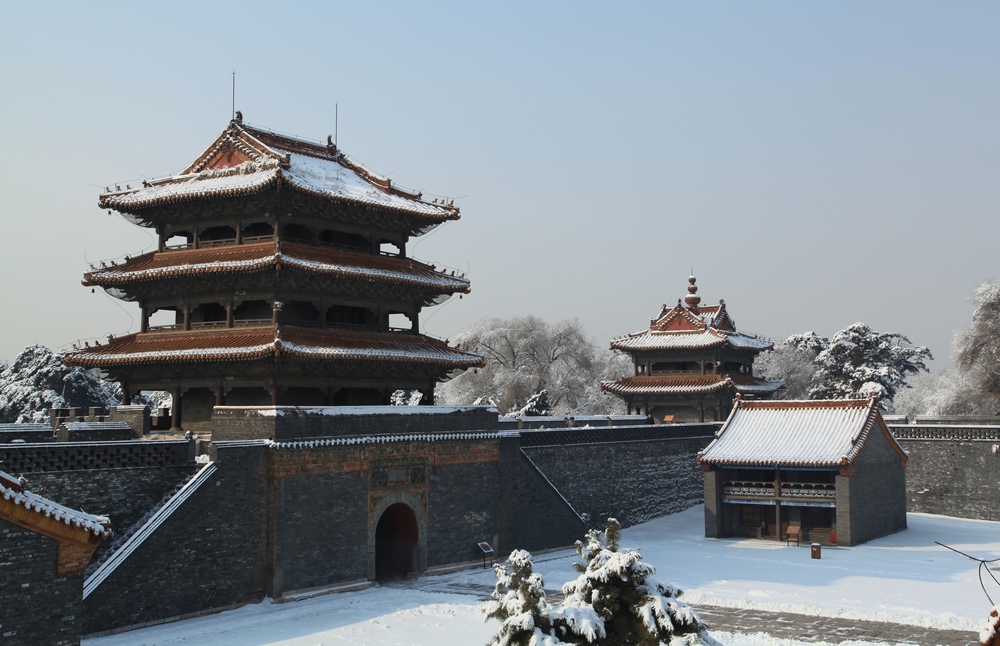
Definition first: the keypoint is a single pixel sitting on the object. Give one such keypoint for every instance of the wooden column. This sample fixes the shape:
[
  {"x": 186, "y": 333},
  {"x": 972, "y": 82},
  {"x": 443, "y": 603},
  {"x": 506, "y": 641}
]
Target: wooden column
[
  {"x": 777, "y": 503},
  {"x": 274, "y": 395},
  {"x": 126, "y": 396},
  {"x": 187, "y": 316},
  {"x": 229, "y": 312},
  {"x": 175, "y": 410},
  {"x": 144, "y": 324},
  {"x": 220, "y": 395}
]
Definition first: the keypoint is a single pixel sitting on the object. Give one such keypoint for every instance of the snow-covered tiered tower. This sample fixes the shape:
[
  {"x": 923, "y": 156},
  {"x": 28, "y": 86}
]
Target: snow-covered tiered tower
[
  {"x": 281, "y": 262},
  {"x": 690, "y": 363}
]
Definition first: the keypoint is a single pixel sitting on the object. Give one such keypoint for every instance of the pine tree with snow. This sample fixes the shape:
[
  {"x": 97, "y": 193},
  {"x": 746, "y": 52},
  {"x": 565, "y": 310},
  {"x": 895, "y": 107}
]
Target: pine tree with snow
[
  {"x": 860, "y": 362},
  {"x": 538, "y": 406},
  {"x": 518, "y": 602},
  {"x": 616, "y": 601}
]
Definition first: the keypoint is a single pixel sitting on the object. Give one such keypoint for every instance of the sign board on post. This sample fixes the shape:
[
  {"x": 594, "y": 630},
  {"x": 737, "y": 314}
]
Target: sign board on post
[{"x": 487, "y": 553}]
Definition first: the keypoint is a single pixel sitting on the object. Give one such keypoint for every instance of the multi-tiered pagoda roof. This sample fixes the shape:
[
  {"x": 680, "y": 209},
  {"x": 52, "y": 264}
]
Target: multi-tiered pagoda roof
[
  {"x": 691, "y": 359},
  {"x": 280, "y": 262}
]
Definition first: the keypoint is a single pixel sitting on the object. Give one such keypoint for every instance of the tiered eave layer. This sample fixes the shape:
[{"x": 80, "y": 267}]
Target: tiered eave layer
[
  {"x": 653, "y": 340},
  {"x": 671, "y": 385},
  {"x": 260, "y": 343},
  {"x": 257, "y": 257}
]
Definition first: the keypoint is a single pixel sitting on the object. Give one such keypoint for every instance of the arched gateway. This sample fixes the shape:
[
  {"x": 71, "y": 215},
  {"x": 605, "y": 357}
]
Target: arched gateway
[{"x": 397, "y": 537}]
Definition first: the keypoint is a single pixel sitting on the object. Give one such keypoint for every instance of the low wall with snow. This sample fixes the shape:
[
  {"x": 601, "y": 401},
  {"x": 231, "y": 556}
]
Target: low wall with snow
[
  {"x": 299, "y": 422},
  {"x": 952, "y": 470}
]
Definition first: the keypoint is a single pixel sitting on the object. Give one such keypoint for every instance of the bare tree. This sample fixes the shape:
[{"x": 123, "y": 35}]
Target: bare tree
[{"x": 525, "y": 355}]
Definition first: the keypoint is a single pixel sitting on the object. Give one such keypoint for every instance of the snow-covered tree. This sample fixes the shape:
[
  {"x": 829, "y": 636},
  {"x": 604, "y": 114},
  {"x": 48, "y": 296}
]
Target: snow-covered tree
[
  {"x": 976, "y": 349},
  {"x": 859, "y": 362},
  {"x": 616, "y": 600},
  {"x": 406, "y": 398},
  {"x": 538, "y": 404},
  {"x": 525, "y": 355},
  {"x": 972, "y": 387},
  {"x": 794, "y": 361},
  {"x": 518, "y": 602},
  {"x": 38, "y": 380}
]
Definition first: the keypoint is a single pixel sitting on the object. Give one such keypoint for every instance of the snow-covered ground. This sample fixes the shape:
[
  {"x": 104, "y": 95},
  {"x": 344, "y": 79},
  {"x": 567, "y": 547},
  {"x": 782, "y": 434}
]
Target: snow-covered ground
[{"x": 904, "y": 578}]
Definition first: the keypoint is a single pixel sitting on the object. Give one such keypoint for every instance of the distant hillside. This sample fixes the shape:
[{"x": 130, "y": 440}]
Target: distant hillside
[{"x": 37, "y": 380}]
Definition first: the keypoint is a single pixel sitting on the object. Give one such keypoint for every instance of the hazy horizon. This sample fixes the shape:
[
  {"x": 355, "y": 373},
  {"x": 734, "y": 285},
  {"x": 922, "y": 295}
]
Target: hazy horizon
[{"x": 816, "y": 164}]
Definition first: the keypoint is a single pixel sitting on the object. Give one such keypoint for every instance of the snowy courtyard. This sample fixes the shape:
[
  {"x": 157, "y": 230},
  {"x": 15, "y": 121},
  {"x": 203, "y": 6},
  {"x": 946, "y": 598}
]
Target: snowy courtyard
[{"x": 905, "y": 579}]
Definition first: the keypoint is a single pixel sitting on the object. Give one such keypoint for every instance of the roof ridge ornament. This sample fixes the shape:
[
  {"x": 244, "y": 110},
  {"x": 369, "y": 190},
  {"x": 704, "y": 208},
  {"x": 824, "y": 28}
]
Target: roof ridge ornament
[{"x": 692, "y": 299}]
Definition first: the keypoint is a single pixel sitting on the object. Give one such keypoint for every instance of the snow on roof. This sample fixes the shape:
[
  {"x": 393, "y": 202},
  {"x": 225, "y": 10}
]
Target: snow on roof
[
  {"x": 96, "y": 426},
  {"x": 332, "y": 179},
  {"x": 689, "y": 325},
  {"x": 657, "y": 340},
  {"x": 824, "y": 433},
  {"x": 12, "y": 489},
  {"x": 245, "y": 160},
  {"x": 249, "y": 258}
]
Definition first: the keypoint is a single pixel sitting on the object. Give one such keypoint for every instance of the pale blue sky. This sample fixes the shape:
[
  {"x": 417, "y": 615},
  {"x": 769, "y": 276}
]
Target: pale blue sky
[{"x": 817, "y": 163}]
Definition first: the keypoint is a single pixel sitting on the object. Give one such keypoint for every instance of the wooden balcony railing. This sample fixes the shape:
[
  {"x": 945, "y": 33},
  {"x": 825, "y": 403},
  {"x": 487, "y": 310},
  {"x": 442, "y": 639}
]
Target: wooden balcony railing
[
  {"x": 209, "y": 244},
  {"x": 208, "y": 325},
  {"x": 787, "y": 490},
  {"x": 166, "y": 328},
  {"x": 252, "y": 323},
  {"x": 257, "y": 239}
]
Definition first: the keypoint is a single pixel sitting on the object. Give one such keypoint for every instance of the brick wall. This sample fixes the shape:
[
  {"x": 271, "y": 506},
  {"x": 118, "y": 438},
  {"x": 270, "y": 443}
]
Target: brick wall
[
  {"x": 124, "y": 495},
  {"x": 211, "y": 553},
  {"x": 872, "y": 502},
  {"x": 461, "y": 511},
  {"x": 532, "y": 515},
  {"x": 36, "y": 605},
  {"x": 75, "y": 456},
  {"x": 321, "y": 530},
  {"x": 633, "y": 481},
  {"x": 953, "y": 477}
]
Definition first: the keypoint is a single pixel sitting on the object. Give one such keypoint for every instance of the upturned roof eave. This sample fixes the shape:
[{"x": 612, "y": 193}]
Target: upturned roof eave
[
  {"x": 409, "y": 271},
  {"x": 268, "y": 342}
]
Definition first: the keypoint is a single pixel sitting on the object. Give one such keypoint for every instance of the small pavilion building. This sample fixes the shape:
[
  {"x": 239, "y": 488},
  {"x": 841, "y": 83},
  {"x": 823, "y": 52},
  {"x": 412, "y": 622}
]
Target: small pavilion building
[
  {"x": 690, "y": 363},
  {"x": 824, "y": 471}
]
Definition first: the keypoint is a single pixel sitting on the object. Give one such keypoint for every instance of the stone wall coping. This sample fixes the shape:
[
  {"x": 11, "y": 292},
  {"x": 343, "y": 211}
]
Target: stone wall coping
[
  {"x": 346, "y": 411},
  {"x": 383, "y": 439}
]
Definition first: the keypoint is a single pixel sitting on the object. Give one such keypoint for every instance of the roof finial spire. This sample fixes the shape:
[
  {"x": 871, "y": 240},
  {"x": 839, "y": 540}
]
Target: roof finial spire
[{"x": 692, "y": 299}]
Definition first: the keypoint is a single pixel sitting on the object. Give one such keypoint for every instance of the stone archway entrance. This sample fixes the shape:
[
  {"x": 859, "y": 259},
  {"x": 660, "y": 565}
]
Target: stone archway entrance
[
  {"x": 406, "y": 523},
  {"x": 397, "y": 538}
]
